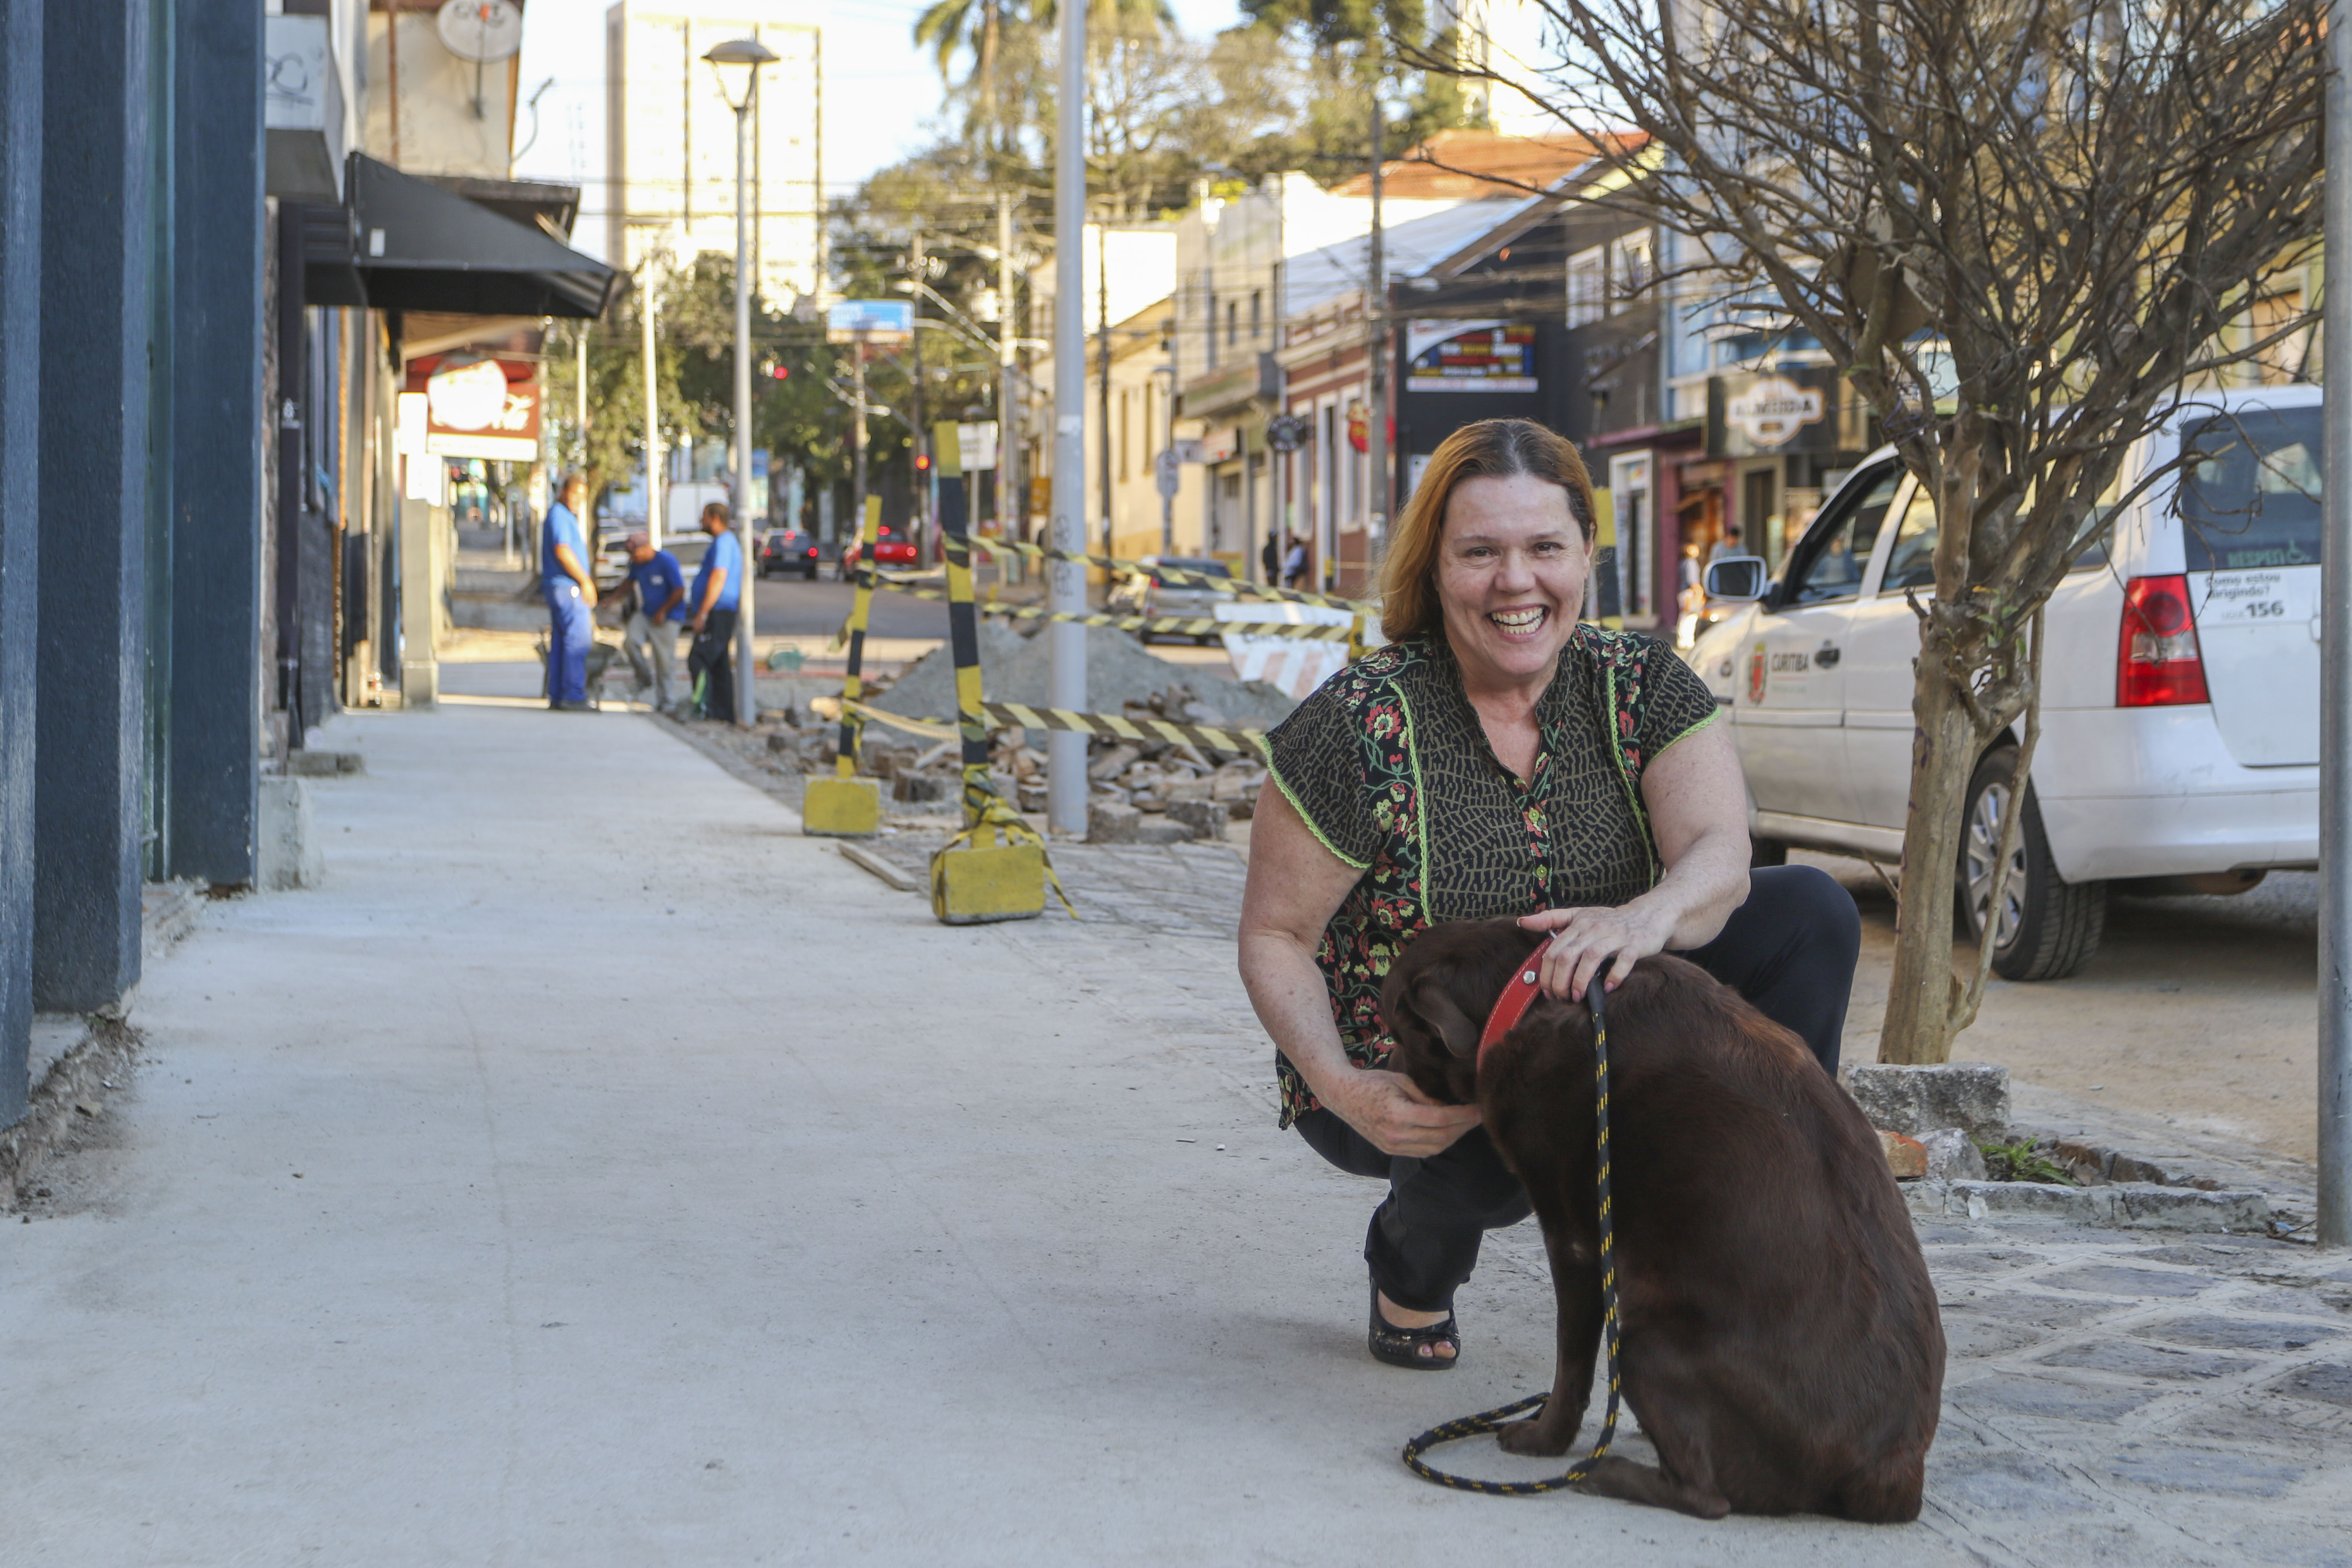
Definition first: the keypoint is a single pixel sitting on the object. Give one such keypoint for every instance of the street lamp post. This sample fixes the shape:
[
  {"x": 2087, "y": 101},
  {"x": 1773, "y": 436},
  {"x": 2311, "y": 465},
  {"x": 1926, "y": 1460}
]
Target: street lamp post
[
  {"x": 1065, "y": 755},
  {"x": 737, "y": 63}
]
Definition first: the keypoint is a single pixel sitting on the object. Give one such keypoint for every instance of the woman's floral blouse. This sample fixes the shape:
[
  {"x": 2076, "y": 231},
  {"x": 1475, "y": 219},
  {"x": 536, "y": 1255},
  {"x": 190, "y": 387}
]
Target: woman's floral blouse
[{"x": 1389, "y": 765}]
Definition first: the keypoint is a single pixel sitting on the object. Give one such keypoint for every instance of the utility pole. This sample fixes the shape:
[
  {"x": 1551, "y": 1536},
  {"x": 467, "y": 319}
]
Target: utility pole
[
  {"x": 1007, "y": 426},
  {"x": 858, "y": 442},
  {"x": 653, "y": 407},
  {"x": 1376, "y": 346},
  {"x": 1102, "y": 395},
  {"x": 580, "y": 386},
  {"x": 746, "y": 683},
  {"x": 2335, "y": 1219},
  {"x": 924, "y": 513},
  {"x": 1066, "y": 774}
]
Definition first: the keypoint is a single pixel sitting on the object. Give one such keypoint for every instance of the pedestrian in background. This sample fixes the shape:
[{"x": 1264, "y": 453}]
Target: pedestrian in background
[
  {"x": 1294, "y": 563},
  {"x": 571, "y": 597},
  {"x": 650, "y": 634},
  {"x": 717, "y": 591}
]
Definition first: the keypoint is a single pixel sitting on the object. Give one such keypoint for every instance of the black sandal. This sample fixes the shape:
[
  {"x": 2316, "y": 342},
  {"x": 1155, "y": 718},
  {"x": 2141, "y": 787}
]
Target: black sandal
[{"x": 1402, "y": 1347}]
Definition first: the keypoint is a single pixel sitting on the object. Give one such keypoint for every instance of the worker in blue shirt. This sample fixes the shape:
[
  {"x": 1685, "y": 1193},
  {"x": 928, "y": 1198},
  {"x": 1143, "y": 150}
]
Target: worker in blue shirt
[
  {"x": 650, "y": 636},
  {"x": 718, "y": 592},
  {"x": 570, "y": 598}
]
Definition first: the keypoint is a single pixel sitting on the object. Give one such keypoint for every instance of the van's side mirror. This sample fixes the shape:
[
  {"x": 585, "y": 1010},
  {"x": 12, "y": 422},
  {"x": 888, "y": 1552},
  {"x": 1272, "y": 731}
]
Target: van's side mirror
[{"x": 1736, "y": 577}]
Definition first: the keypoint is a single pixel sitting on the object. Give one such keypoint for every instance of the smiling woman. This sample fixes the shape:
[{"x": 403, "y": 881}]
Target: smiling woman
[{"x": 1498, "y": 758}]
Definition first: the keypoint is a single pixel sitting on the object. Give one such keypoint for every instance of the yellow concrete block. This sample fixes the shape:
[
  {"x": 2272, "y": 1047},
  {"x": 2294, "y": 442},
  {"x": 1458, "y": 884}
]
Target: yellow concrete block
[
  {"x": 842, "y": 809},
  {"x": 1004, "y": 882}
]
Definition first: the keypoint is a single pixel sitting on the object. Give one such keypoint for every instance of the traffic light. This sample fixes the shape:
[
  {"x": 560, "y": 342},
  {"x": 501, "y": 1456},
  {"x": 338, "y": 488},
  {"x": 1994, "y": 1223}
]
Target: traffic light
[
  {"x": 779, "y": 371},
  {"x": 922, "y": 462}
]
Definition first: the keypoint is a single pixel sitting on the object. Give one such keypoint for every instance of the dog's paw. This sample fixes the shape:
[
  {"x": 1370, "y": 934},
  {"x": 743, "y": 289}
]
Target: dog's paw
[{"x": 1530, "y": 1439}]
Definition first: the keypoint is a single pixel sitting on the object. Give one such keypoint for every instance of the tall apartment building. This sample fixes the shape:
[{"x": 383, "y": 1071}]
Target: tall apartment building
[{"x": 670, "y": 139}]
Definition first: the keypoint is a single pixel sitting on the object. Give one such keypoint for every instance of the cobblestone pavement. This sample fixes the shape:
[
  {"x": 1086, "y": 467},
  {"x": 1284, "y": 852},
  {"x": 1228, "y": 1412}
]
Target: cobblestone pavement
[{"x": 2112, "y": 1396}]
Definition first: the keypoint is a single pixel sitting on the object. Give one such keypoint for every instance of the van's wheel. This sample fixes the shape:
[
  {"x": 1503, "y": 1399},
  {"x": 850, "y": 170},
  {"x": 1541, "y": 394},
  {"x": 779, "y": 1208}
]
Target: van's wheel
[
  {"x": 2049, "y": 927},
  {"x": 1767, "y": 852}
]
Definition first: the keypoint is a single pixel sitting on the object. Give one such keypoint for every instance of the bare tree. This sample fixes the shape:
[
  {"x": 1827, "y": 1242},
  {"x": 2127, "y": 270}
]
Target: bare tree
[{"x": 2021, "y": 230}]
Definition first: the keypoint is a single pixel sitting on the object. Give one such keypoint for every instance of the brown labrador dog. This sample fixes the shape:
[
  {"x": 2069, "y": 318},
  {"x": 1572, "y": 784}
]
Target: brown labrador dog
[{"x": 1780, "y": 1341}]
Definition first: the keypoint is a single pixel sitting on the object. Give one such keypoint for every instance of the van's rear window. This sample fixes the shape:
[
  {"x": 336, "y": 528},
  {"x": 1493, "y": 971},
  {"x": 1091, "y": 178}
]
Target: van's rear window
[{"x": 2249, "y": 490}]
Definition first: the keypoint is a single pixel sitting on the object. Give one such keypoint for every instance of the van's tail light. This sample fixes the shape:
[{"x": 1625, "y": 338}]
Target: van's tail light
[{"x": 2157, "y": 663}]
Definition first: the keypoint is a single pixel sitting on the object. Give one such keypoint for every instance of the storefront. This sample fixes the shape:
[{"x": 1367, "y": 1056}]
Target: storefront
[{"x": 1778, "y": 439}]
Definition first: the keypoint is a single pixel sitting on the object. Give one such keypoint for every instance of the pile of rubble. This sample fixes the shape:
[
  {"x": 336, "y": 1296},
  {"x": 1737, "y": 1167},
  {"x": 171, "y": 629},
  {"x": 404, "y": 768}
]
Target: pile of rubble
[{"x": 1140, "y": 791}]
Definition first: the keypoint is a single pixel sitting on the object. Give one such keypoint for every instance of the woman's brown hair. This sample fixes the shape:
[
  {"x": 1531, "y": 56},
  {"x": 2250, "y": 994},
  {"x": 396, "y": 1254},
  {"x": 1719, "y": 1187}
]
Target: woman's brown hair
[{"x": 1489, "y": 450}]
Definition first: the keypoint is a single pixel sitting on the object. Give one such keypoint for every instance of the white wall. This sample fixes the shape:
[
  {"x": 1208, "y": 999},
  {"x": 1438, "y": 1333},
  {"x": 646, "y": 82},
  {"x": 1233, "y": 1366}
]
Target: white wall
[{"x": 670, "y": 138}]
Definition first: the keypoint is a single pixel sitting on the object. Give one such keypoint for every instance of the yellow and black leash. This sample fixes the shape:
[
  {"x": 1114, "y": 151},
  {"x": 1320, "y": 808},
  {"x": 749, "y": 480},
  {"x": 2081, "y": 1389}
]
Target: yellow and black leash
[{"x": 1495, "y": 1419}]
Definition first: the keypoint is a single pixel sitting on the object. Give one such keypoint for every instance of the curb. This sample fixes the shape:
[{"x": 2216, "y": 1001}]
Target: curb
[
  {"x": 2123, "y": 1206},
  {"x": 99, "y": 1063}
]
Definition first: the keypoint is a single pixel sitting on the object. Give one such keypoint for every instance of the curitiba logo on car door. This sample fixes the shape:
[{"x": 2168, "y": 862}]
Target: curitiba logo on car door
[{"x": 1756, "y": 662}]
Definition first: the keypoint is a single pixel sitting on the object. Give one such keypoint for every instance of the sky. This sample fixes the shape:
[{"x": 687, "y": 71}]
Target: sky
[{"x": 870, "y": 60}]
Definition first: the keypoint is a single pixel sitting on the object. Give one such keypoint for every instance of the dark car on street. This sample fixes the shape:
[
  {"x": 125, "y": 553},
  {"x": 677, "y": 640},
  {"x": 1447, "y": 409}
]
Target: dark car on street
[{"x": 788, "y": 550}]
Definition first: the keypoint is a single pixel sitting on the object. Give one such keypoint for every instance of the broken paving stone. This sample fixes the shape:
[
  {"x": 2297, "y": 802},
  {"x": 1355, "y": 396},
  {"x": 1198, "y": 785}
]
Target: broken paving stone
[
  {"x": 1206, "y": 819},
  {"x": 1112, "y": 821},
  {"x": 1970, "y": 1095},
  {"x": 1113, "y": 763},
  {"x": 1953, "y": 1155},
  {"x": 1906, "y": 1157}
]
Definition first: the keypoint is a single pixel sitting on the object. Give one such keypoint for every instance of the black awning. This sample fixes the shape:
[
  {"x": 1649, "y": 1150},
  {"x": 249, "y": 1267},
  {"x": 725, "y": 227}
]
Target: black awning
[{"x": 413, "y": 245}]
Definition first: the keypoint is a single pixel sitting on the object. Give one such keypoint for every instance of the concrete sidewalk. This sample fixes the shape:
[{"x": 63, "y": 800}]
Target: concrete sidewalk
[{"x": 597, "y": 1172}]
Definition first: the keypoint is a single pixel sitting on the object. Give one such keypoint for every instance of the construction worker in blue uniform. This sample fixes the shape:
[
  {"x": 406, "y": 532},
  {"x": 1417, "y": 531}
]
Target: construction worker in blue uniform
[
  {"x": 714, "y": 602},
  {"x": 570, "y": 593}
]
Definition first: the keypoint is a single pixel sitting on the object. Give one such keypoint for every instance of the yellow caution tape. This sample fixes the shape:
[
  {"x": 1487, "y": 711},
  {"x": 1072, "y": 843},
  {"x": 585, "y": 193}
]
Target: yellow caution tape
[
  {"x": 1173, "y": 625},
  {"x": 1116, "y": 726},
  {"x": 1240, "y": 587}
]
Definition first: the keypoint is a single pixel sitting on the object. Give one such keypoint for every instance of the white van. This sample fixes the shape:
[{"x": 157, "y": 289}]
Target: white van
[{"x": 2180, "y": 744}]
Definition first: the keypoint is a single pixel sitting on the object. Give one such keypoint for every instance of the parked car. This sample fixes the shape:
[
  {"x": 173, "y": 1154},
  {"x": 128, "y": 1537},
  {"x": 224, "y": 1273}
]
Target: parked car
[
  {"x": 788, "y": 550},
  {"x": 2179, "y": 741},
  {"x": 1150, "y": 592},
  {"x": 892, "y": 547}
]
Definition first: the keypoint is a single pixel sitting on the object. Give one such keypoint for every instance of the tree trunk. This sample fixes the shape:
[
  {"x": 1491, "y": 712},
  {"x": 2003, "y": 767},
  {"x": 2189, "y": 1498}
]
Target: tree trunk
[{"x": 1918, "y": 1028}]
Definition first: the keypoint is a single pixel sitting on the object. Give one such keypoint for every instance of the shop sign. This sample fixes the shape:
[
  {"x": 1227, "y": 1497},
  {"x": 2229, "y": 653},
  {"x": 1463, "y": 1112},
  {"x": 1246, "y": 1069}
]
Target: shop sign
[
  {"x": 481, "y": 408},
  {"x": 1771, "y": 410},
  {"x": 1221, "y": 445},
  {"x": 1500, "y": 358},
  {"x": 976, "y": 444},
  {"x": 1803, "y": 408},
  {"x": 870, "y": 322}
]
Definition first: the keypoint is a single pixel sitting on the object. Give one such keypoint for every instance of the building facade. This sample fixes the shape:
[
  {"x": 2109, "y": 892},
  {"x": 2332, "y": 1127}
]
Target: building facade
[
  {"x": 211, "y": 303},
  {"x": 670, "y": 140}
]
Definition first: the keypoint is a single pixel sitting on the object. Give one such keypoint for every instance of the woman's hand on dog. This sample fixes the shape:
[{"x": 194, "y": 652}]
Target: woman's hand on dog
[
  {"x": 1584, "y": 940},
  {"x": 1397, "y": 1116}
]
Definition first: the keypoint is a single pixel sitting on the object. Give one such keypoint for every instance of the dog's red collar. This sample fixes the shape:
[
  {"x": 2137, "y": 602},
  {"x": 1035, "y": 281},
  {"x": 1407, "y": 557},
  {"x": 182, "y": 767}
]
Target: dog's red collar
[{"x": 1520, "y": 993}]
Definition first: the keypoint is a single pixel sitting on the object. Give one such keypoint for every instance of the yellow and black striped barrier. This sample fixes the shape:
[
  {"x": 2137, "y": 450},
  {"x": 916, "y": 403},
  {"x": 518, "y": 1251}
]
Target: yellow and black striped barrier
[
  {"x": 1111, "y": 726},
  {"x": 1240, "y": 587},
  {"x": 1169, "y": 625},
  {"x": 848, "y": 806},
  {"x": 996, "y": 868}
]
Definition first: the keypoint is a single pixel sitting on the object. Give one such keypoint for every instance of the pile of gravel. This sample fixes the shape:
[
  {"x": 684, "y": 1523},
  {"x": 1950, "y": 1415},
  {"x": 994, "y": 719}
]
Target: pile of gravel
[{"x": 1015, "y": 669}]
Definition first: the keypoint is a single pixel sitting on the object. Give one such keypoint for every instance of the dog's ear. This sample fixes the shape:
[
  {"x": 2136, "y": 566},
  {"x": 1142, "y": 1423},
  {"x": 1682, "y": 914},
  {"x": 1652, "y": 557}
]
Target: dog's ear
[{"x": 1430, "y": 999}]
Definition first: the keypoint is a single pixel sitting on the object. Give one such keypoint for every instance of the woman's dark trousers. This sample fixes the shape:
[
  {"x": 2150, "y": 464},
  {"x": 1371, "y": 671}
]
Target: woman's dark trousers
[{"x": 1790, "y": 949}]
